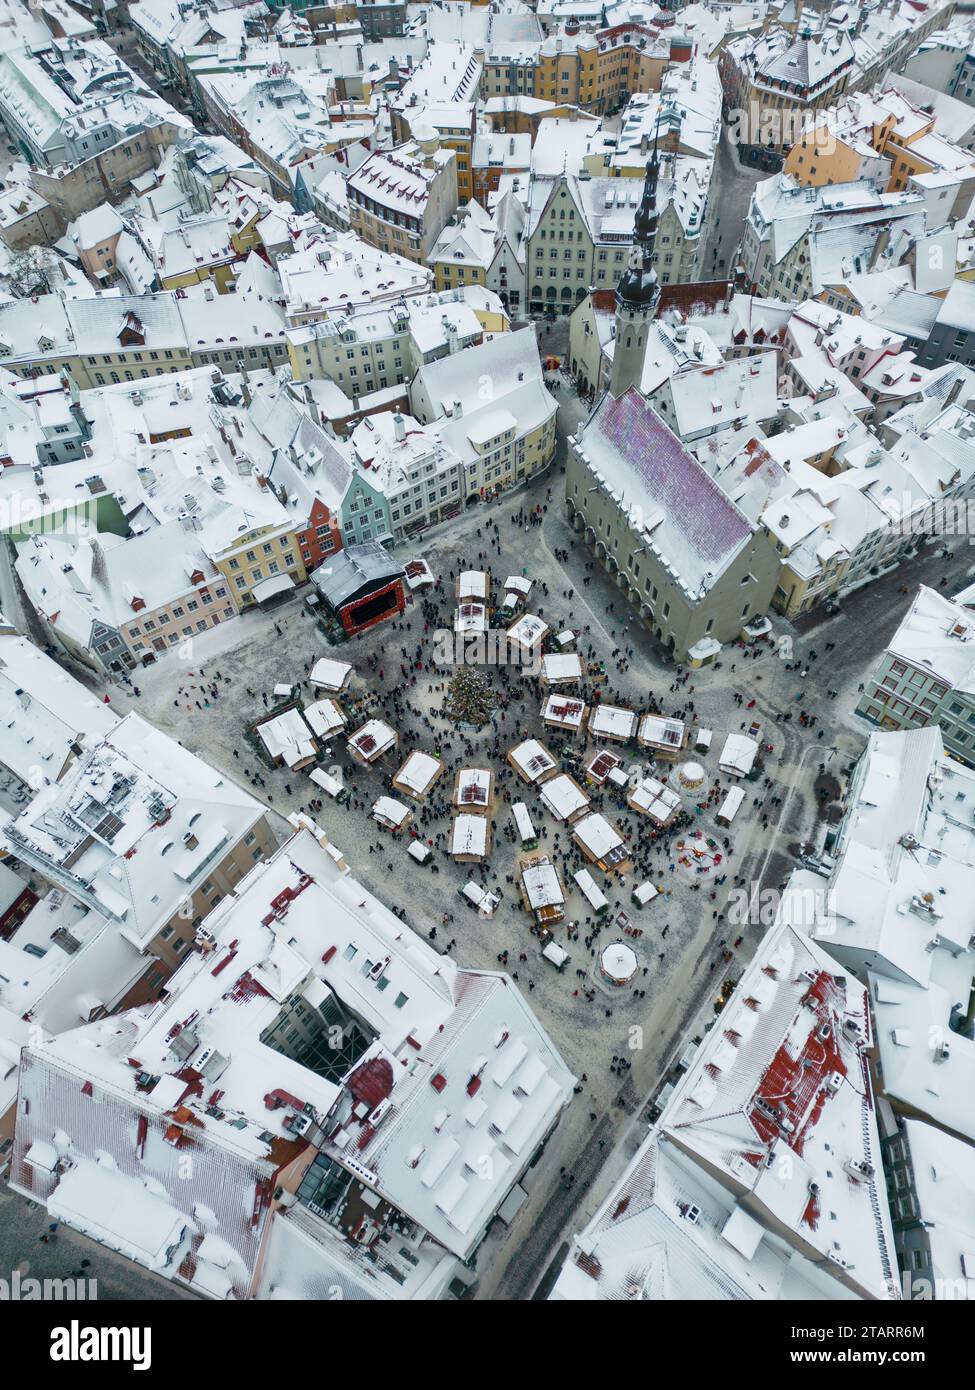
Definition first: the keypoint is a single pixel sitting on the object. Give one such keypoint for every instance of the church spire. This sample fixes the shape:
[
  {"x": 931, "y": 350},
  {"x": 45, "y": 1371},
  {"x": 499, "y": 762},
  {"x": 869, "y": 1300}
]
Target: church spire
[
  {"x": 639, "y": 283},
  {"x": 638, "y": 292},
  {"x": 645, "y": 222}
]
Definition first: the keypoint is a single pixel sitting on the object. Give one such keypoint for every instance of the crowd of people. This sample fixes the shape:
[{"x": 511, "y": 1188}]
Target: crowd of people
[{"x": 405, "y": 687}]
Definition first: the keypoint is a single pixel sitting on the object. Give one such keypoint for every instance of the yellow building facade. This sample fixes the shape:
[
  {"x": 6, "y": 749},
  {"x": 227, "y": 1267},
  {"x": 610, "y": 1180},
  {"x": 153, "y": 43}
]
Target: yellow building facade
[{"x": 264, "y": 553}]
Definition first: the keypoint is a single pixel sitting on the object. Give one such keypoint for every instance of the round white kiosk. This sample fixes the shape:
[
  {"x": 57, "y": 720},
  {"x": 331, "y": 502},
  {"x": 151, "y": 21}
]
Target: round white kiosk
[
  {"x": 618, "y": 963},
  {"x": 691, "y": 776}
]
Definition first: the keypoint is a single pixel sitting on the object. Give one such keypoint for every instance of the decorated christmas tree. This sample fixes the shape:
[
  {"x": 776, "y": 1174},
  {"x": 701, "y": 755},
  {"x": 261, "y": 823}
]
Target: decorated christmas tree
[{"x": 470, "y": 699}]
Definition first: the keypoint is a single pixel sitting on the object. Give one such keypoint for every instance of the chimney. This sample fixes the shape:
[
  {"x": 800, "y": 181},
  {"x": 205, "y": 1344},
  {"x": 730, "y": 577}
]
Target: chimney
[
  {"x": 458, "y": 410},
  {"x": 399, "y": 427}
]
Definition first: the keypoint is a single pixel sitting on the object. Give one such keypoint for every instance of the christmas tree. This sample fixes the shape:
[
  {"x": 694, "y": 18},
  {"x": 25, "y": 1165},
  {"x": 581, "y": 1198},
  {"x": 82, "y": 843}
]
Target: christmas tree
[{"x": 470, "y": 699}]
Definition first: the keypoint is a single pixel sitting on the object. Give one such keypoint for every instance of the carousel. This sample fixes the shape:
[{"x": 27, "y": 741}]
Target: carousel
[
  {"x": 618, "y": 963},
  {"x": 691, "y": 776},
  {"x": 698, "y": 855}
]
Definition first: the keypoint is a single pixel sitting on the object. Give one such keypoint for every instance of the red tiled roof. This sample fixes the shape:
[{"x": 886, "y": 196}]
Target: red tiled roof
[
  {"x": 702, "y": 529},
  {"x": 372, "y": 1082}
]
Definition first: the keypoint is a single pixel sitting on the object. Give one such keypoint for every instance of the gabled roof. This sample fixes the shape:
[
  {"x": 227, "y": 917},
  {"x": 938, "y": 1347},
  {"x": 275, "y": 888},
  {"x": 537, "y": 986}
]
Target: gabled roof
[
  {"x": 668, "y": 1231},
  {"x": 686, "y": 517},
  {"x": 778, "y": 1102}
]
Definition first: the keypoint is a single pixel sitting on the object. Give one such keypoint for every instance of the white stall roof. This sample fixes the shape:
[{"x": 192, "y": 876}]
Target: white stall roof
[
  {"x": 563, "y": 797},
  {"x": 516, "y": 584},
  {"x": 561, "y": 666},
  {"x": 738, "y": 755},
  {"x": 598, "y": 836},
  {"x": 542, "y": 887},
  {"x": 324, "y": 717},
  {"x": 330, "y": 675},
  {"x": 612, "y": 721},
  {"x": 731, "y": 805},
  {"x": 523, "y": 821},
  {"x": 388, "y": 809},
  {"x": 287, "y": 737},
  {"x": 645, "y": 893},
  {"x": 589, "y": 888},
  {"x": 665, "y": 733},
  {"x": 532, "y": 758},
  {"x": 418, "y": 771},
  {"x": 473, "y": 584},
  {"x": 564, "y": 710},
  {"x": 469, "y": 835}
]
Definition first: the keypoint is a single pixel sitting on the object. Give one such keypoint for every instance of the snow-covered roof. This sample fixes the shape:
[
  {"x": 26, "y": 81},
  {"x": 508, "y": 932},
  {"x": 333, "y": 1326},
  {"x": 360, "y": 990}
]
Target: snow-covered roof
[
  {"x": 372, "y": 739},
  {"x": 612, "y": 721},
  {"x": 559, "y": 667},
  {"x": 944, "y": 1191},
  {"x": 668, "y": 1230},
  {"x": 738, "y": 754},
  {"x": 897, "y": 906},
  {"x": 324, "y": 717},
  {"x": 663, "y": 732},
  {"x": 651, "y": 797},
  {"x": 958, "y": 307},
  {"x": 335, "y": 274},
  {"x": 468, "y": 835},
  {"x": 471, "y": 617},
  {"x": 777, "y": 1101},
  {"x": 937, "y": 635},
  {"x": 133, "y": 826},
  {"x": 518, "y": 585},
  {"x": 287, "y": 738},
  {"x": 120, "y": 1211},
  {"x": 472, "y": 787},
  {"x": 532, "y": 759},
  {"x": 528, "y": 630},
  {"x": 418, "y": 772},
  {"x": 565, "y": 710},
  {"x": 599, "y": 837},
  {"x": 473, "y": 584},
  {"x": 926, "y": 1066},
  {"x": 563, "y": 797},
  {"x": 296, "y": 931},
  {"x": 387, "y": 809},
  {"x": 684, "y": 516},
  {"x": 541, "y": 883},
  {"x": 330, "y": 675},
  {"x": 399, "y": 180},
  {"x": 44, "y": 711}
]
